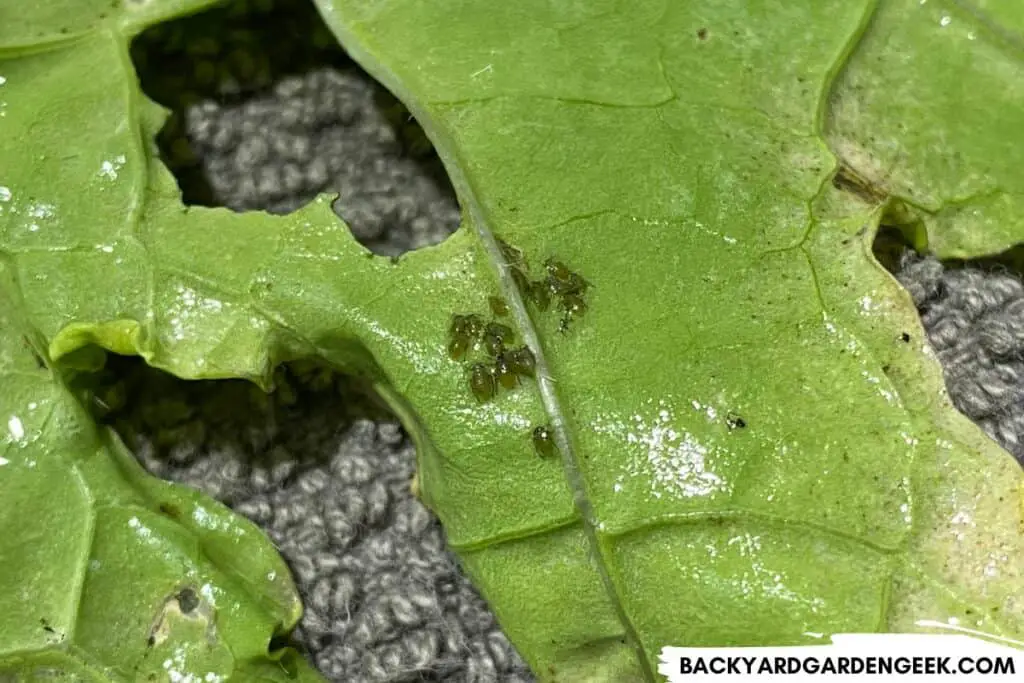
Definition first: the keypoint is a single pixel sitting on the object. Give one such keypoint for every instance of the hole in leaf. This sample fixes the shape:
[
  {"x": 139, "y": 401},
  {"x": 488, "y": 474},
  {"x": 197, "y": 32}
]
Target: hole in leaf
[
  {"x": 970, "y": 313},
  {"x": 268, "y": 111},
  {"x": 323, "y": 469}
]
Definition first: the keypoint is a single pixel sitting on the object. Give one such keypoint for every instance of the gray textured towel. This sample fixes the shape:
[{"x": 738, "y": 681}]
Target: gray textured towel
[{"x": 384, "y": 599}]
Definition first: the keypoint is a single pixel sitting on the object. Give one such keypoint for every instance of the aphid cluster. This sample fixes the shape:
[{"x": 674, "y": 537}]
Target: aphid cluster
[
  {"x": 559, "y": 282},
  {"x": 505, "y": 365}
]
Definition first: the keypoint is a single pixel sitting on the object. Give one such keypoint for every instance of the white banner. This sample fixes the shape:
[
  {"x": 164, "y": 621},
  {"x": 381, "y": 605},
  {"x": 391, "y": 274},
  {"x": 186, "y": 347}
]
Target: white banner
[{"x": 853, "y": 658}]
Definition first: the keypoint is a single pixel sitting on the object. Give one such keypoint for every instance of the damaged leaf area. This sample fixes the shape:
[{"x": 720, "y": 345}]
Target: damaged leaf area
[
  {"x": 748, "y": 442},
  {"x": 110, "y": 574}
]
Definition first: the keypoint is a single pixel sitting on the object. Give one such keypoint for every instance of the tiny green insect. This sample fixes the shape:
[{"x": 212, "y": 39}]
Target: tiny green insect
[
  {"x": 522, "y": 361},
  {"x": 482, "y": 382},
  {"x": 543, "y": 442},
  {"x": 574, "y": 307},
  {"x": 539, "y": 294},
  {"x": 498, "y": 306},
  {"x": 512, "y": 254},
  {"x": 457, "y": 347},
  {"x": 495, "y": 336},
  {"x": 519, "y": 278},
  {"x": 462, "y": 334},
  {"x": 504, "y": 372},
  {"x": 557, "y": 270}
]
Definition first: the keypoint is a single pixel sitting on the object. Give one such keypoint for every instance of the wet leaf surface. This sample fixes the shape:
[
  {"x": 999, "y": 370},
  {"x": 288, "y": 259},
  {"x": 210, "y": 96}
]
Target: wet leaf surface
[{"x": 747, "y": 450}]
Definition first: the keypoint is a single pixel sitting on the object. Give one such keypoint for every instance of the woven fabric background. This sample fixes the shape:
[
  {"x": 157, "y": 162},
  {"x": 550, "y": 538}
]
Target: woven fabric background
[{"x": 269, "y": 112}]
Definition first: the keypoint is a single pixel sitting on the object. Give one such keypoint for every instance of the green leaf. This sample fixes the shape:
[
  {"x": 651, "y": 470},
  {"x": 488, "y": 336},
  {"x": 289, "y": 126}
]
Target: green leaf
[
  {"x": 749, "y": 451},
  {"x": 110, "y": 574}
]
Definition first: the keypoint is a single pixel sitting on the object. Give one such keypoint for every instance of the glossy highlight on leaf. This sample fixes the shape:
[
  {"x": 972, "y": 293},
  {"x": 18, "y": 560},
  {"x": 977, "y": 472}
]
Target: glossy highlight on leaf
[{"x": 744, "y": 452}]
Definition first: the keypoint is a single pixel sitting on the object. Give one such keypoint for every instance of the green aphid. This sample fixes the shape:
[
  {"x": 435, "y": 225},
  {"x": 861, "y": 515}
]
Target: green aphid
[
  {"x": 470, "y": 326},
  {"x": 495, "y": 337},
  {"x": 562, "y": 281},
  {"x": 519, "y": 278},
  {"x": 504, "y": 372},
  {"x": 498, "y": 306},
  {"x": 457, "y": 347},
  {"x": 513, "y": 255},
  {"x": 459, "y": 339},
  {"x": 539, "y": 294},
  {"x": 482, "y": 382},
  {"x": 522, "y": 361},
  {"x": 557, "y": 269},
  {"x": 458, "y": 326},
  {"x": 543, "y": 441},
  {"x": 574, "y": 307}
]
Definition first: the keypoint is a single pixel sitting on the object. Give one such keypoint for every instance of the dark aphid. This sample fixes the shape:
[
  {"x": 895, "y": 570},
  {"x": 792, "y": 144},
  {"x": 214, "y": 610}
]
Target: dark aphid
[
  {"x": 574, "y": 285},
  {"x": 522, "y": 361},
  {"x": 504, "y": 372},
  {"x": 573, "y": 305},
  {"x": 498, "y": 306},
  {"x": 734, "y": 421},
  {"x": 495, "y": 336},
  {"x": 519, "y": 278},
  {"x": 557, "y": 270},
  {"x": 538, "y": 293},
  {"x": 561, "y": 280},
  {"x": 513, "y": 255},
  {"x": 543, "y": 441},
  {"x": 475, "y": 326},
  {"x": 481, "y": 382}
]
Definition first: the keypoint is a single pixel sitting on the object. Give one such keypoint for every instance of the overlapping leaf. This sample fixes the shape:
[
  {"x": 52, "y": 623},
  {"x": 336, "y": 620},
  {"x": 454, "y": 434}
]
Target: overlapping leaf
[{"x": 681, "y": 157}]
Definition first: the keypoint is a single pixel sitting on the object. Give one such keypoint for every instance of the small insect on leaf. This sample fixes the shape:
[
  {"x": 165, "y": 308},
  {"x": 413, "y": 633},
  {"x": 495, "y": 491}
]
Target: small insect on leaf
[
  {"x": 539, "y": 294},
  {"x": 498, "y": 306},
  {"x": 557, "y": 270},
  {"x": 463, "y": 333},
  {"x": 482, "y": 382},
  {"x": 522, "y": 361},
  {"x": 734, "y": 421},
  {"x": 495, "y": 336},
  {"x": 504, "y": 372},
  {"x": 458, "y": 326},
  {"x": 474, "y": 326},
  {"x": 543, "y": 442},
  {"x": 574, "y": 307},
  {"x": 519, "y": 278},
  {"x": 513, "y": 255},
  {"x": 457, "y": 347}
]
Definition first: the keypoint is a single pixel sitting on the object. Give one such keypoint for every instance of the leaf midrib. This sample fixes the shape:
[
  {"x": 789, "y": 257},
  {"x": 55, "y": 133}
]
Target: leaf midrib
[
  {"x": 553, "y": 408},
  {"x": 465, "y": 191}
]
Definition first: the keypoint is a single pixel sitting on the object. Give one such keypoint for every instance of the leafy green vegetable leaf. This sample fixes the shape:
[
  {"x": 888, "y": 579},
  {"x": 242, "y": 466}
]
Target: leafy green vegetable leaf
[
  {"x": 749, "y": 450},
  {"x": 110, "y": 574}
]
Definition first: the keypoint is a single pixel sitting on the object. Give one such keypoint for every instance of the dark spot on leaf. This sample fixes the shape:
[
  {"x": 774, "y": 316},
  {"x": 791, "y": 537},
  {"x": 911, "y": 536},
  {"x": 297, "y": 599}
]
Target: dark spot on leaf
[
  {"x": 702, "y": 33},
  {"x": 170, "y": 511},
  {"x": 187, "y": 600},
  {"x": 46, "y": 626},
  {"x": 905, "y": 338},
  {"x": 734, "y": 421}
]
